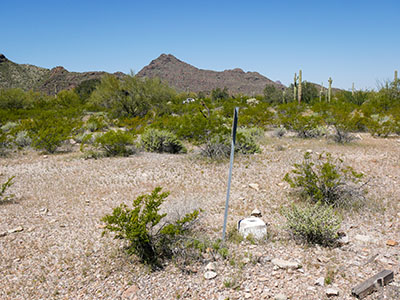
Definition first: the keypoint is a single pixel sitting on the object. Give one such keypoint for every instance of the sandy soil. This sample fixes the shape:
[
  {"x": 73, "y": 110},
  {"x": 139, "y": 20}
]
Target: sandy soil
[{"x": 59, "y": 200}]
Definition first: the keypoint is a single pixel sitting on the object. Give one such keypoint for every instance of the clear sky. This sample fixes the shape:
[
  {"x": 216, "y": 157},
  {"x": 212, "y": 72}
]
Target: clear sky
[{"x": 351, "y": 41}]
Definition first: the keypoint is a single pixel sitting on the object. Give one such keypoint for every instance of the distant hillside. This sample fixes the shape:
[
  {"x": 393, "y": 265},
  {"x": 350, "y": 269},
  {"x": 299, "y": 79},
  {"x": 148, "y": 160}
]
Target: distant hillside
[
  {"x": 29, "y": 77},
  {"x": 185, "y": 77}
]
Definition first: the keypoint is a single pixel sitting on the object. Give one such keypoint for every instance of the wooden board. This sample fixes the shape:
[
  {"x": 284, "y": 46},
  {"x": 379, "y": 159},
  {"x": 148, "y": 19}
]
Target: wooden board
[{"x": 371, "y": 284}]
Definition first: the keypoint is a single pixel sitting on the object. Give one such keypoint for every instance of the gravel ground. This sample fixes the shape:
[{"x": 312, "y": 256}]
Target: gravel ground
[{"x": 51, "y": 245}]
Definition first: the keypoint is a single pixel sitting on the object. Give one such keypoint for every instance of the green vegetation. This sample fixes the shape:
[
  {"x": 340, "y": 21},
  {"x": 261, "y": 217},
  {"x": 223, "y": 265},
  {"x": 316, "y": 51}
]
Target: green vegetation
[
  {"x": 138, "y": 105},
  {"x": 115, "y": 143},
  {"x": 149, "y": 239},
  {"x": 155, "y": 140},
  {"x": 4, "y": 195},
  {"x": 314, "y": 224},
  {"x": 326, "y": 180}
]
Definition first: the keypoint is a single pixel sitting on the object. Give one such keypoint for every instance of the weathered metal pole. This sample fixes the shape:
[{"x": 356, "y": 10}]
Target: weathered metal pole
[{"x": 234, "y": 128}]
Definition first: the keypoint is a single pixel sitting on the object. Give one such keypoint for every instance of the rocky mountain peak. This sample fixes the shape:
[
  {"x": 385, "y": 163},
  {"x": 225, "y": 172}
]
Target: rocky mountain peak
[{"x": 3, "y": 58}]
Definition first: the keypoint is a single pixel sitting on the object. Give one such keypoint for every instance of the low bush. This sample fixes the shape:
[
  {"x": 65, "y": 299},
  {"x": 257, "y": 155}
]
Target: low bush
[
  {"x": 326, "y": 180},
  {"x": 314, "y": 224},
  {"x": 155, "y": 140},
  {"x": 149, "y": 239},
  {"x": 22, "y": 139},
  {"x": 115, "y": 143}
]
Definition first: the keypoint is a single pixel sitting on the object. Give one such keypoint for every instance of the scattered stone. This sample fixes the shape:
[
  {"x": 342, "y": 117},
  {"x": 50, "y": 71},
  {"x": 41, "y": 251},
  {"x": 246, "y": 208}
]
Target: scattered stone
[
  {"x": 246, "y": 260},
  {"x": 344, "y": 240},
  {"x": 371, "y": 284},
  {"x": 256, "y": 213},
  {"x": 16, "y": 229},
  {"x": 254, "y": 186},
  {"x": 262, "y": 279},
  {"x": 210, "y": 267},
  {"x": 392, "y": 243},
  {"x": 284, "y": 264},
  {"x": 280, "y": 297},
  {"x": 320, "y": 281},
  {"x": 247, "y": 295},
  {"x": 3, "y": 233},
  {"x": 210, "y": 275},
  {"x": 44, "y": 210},
  {"x": 130, "y": 292},
  {"x": 254, "y": 226},
  {"x": 332, "y": 292}
]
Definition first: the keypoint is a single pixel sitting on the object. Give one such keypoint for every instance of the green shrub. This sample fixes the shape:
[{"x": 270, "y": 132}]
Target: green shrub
[
  {"x": 155, "y": 140},
  {"x": 49, "y": 133},
  {"x": 216, "y": 147},
  {"x": 96, "y": 123},
  {"x": 115, "y": 143},
  {"x": 150, "y": 240},
  {"x": 246, "y": 140},
  {"x": 22, "y": 139},
  {"x": 327, "y": 181},
  {"x": 381, "y": 125},
  {"x": 314, "y": 224},
  {"x": 4, "y": 196},
  {"x": 9, "y": 126}
]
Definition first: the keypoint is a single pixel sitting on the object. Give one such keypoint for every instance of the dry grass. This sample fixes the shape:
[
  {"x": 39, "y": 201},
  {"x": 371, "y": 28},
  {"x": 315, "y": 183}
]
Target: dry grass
[{"x": 60, "y": 199}]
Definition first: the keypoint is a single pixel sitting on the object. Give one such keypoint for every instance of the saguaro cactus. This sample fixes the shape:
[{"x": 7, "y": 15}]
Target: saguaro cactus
[
  {"x": 395, "y": 77},
  {"x": 352, "y": 90},
  {"x": 295, "y": 87},
  {"x": 299, "y": 92},
  {"x": 321, "y": 91},
  {"x": 330, "y": 89}
]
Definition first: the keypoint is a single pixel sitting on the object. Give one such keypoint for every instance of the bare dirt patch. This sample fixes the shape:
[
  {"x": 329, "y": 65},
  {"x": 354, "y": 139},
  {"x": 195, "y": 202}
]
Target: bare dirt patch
[{"x": 60, "y": 199}]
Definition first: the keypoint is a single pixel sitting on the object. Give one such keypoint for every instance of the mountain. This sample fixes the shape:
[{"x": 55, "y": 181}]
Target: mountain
[
  {"x": 50, "y": 81},
  {"x": 185, "y": 77}
]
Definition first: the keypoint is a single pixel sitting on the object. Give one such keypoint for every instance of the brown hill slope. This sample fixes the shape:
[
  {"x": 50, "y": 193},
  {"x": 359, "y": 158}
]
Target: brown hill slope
[
  {"x": 29, "y": 77},
  {"x": 185, "y": 77}
]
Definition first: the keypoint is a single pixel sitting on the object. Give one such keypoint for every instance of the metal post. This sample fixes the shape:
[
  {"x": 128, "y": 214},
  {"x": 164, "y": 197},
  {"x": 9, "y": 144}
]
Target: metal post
[{"x": 234, "y": 127}]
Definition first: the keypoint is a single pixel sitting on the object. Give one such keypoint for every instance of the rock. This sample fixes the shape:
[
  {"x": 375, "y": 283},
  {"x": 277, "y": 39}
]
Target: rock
[
  {"x": 3, "y": 233},
  {"x": 284, "y": 264},
  {"x": 332, "y": 292},
  {"x": 254, "y": 186},
  {"x": 344, "y": 240},
  {"x": 392, "y": 243},
  {"x": 210, "y": 267},
  {"x": 16, "y": 229},
  {"x": 320, "y": 281},
  {"x": 280, "y": 297},
  {"x": 247, "y": 295},
  {"x": 130, "y": 292},
  {"x": 254, "y": 226},
  {"x": 210, "y": 275},
  {"x": 256, "y": 213}
]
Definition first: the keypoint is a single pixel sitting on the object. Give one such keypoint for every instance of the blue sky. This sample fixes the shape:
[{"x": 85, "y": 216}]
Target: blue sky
[{"x": 351, "y": 41}]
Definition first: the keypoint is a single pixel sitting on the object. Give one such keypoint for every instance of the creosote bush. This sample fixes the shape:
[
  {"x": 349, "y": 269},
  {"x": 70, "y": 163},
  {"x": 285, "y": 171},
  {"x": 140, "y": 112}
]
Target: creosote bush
[
  {"x": 327, "y": 180},
  {"x": 115, "y": 143},
  {"x": 155, "y": 140},
  {"x": 149, "y": 239},
  {"x": 313, "y": 223}
]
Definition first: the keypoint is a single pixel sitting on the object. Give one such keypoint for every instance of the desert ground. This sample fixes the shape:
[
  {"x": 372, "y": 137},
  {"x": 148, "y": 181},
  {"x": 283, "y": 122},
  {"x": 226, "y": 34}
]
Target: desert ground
[{"x": 52, "y": 248}]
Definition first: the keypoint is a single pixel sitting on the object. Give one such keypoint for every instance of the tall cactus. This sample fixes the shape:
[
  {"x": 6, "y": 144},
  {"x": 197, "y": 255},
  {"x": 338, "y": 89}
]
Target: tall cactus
[
  {"x": 295, "y": 87},
  {"x": 299, "y": 92},
  {"x": 330, "y": 89},
  {"x": 395, "y": 76},
  {"x": 321, "y": 91},
  {"x": 352, "y": 90}
]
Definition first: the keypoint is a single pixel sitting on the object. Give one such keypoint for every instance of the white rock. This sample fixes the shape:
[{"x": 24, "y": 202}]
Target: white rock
[
  {"x": 284, "y": 264},
  {"x": 254, "y": 226},
  {"x": 210, "y": 267},
  {"x": 332, "y": 292},
  {"x": 320, "y": 281},
  {"x": 280, "y": 297},
  {"x": 210, "y": 275},
  {"x": 254, "y": 186},
  {"x": 16, "y": 229}
]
